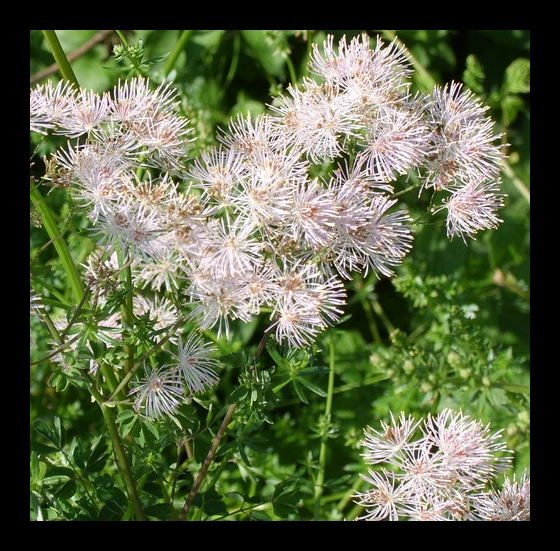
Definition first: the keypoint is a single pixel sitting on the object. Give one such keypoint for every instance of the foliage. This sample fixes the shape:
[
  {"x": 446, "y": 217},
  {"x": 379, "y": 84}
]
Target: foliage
[{"x": 278, "y": 438}]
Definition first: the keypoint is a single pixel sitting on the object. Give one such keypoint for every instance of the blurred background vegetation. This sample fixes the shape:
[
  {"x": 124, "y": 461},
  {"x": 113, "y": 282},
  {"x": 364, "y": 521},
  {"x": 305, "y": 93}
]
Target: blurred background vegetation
[{"x": 450, "y": 330}]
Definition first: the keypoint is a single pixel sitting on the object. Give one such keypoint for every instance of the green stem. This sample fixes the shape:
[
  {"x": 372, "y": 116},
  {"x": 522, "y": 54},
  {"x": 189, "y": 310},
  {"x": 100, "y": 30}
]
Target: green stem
[
  {"x": 124, "y": 467},
  {"x": 382, "y": 316},
  {"x": 368, "y": 309},
  {"x": 60, "y": 57},
  {"x": 49, "y": 324},
  {"x": 323, "y": 449},
  {"x": 60, "y": 245},
  {"x": 172, "y": 59},
  {"x": 127, "y": 313},
  {"x": 517, "y": 182},
  {"x": 233, "y": 64},
  {"x": 291, "y": 69},
  {"x": 403, "y": 191},
  {"x": 123, "y": 38},
  {"x": 140, "y": 361},
  {"x": 78, "y": 290}
]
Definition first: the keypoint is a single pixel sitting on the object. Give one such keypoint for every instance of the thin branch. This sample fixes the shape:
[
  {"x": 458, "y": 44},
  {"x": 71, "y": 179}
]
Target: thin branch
[
  {"x": 207, "y": 461},
  {"x": 78, "y": 52}
]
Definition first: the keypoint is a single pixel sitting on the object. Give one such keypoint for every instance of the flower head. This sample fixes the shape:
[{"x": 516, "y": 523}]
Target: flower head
[
  {"x": 472, "y": 208},
  {"x": 439, "y": 469},
  {"x": 195, "y": 364},
  {"x": 159, "y": 393},
  {"x": 511, "y": 503}
]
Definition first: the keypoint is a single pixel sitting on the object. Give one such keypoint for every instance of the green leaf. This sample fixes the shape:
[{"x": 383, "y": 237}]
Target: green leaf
[
  {"x": 113, "y": 509},
  {"x": 518, "y": 77},
  {"x": 67, "y": 490},
  {"x": 141, "y": 438},
  {"x": 154, "y": 60},
  {"x": 160, "y": 511},
  {"x": 80, "y": 455},
  {"x": 511, "y": 105},
  {"x": 128, "y": 426},
  {"x": 214, "y": 507},
  {"x": 259, "y": 515},
  {"x": 266, "y": 51},
  {"x": 299, "y": 391},
  {"x": 283, "y": 509},
  {"x": 57, "y": 479},
  {"x": 312, "y": 386},
  {"x": 276, "y": 356},
  {"x": 152, "y": 428},
  {"x": 112, "y": 495},
  {"x": 98, "y": 457},
  {"x": 237, "y": 395},
  {"x": 42, "y": 449},
  {"x": 37, "y": 468},
  {"x": 126, "y": 419},
  {"x": 58, "y": 381},
  {"x": 36, "y": 508},
  {"x": 473, "y": 75},
  {"x": 54, "y": 435},
  {"x": 243, "y": 455}
]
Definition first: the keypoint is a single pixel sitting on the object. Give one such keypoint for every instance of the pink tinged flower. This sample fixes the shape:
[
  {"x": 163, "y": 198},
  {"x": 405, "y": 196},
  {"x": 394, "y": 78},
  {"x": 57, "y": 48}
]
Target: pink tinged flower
[
  {"x": 161, "y": 271},
  {"x": 329, "y": 294},
  {"x": 264, "y": 200},
  {"x": 218, "y": 172},
  {"x": 382, "y": 445},
  {"x": 466, "y": 448},
  {"x": 150, "y": 116},
  {"x": 49, "y": 104},
  {"x": 510, "y": 503},
  {"x": 260, "y": 287},
  {"x": 166, "y": 138},
  {"x": 443, "y": 474},
  {"x": 132, "y": 99},
  {"x": 362, "y": 224},
  {"x": 230, "y": 250},
  {"x": 101, "y": 272},
  {"x": 195, "y": 363},
  {"x": 296, "y": 324},
  {"x": 159, "y": 393},
  {"x": 312, "y": 217},
  {"x": 356, "y": 179},
  {"x": 97, "y": 175},
  {"x": 463, "y": 144},
  {"x": 389, "y": 237},
  {"x": 421, "y": 473},
  {"x": 318, "y": 119},
  {"x": 264, "y": 195},
  {"x": 250, "y": 136},
  {"x": 88, "y": 111},
  {"x": 383, "y": 499},
  {"x": 473, "y": 208},
  {"x": 450, "y": 106},
  {"x": 396, "y": 141},
  {"x": 358, "y": 65},
  {"x": 436, "y": 508},
  {"x": 131, "y": 229},
  {"x": 376, "y": 240},
  {"x": 218, "y": 301},
  {"x": 159, "y": 309},
  {"x": 306, "y": 301}
]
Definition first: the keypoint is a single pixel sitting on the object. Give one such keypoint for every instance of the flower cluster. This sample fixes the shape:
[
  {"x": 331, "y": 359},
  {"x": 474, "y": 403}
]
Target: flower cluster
[
  {"x": 163, "y": 389},
  {"x": 442, "y": 469},
  {"x": 286, "y": 207}
]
